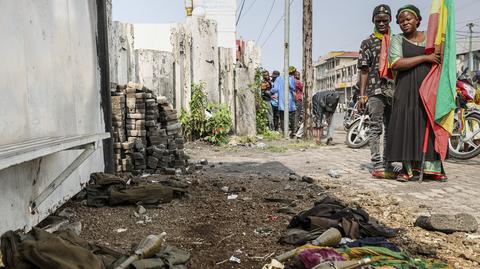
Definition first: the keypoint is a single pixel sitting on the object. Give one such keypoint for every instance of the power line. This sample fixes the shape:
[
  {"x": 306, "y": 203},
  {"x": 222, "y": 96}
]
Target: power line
[
  {"x": 273, "y": 30},
  {"x": 467, "y": 21},
  {"x": 265, "y": 24},
  {"x": 240, "y": 13},
  {"x": 275, "y": 27},
  {"x": 250, "y": 7}
]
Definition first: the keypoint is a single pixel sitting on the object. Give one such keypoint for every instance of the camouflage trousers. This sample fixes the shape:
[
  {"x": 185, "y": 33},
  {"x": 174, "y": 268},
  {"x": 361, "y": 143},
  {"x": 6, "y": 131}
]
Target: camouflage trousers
[{"x": 379, "y": 108}]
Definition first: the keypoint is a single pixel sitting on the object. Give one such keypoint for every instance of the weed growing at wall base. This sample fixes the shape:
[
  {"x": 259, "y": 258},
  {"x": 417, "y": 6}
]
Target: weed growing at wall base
[
  {"x": 211, "y": 122},
  {"x": 261, "y": 106}
]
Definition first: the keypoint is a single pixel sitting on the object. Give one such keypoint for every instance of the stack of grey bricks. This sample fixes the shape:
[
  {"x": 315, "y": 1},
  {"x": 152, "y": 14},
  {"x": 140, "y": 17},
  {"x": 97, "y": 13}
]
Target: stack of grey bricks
[
  {"x": 119, "y": 132},
  {"x": 149, "y": 134}
]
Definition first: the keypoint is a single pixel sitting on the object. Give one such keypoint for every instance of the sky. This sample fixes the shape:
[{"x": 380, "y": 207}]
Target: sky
[{"x": 337, "y": 24}]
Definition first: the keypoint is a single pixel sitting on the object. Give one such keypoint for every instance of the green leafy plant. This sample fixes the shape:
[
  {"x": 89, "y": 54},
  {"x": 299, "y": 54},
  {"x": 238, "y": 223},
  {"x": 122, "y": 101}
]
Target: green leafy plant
[
  {"x": 271, "y": 135},
  {"x": 218, "y": 125},
  {"x": 193, "y": 122},
  {"x": 261, "y": 113},
  {"x": 196, "y": 124}
]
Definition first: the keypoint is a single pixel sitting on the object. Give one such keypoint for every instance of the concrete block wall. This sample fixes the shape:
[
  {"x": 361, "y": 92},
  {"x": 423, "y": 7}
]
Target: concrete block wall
[
  {"x": 122, "y": 56},
  {"x": 181, "y": 39},
  {"x": 191, "y": 57},
  {"x": 245, "y": 103},
  {"x": 226, "y": 79},
  {"x": 205, "y": 55},
  {"x": 155, "y": 69}
]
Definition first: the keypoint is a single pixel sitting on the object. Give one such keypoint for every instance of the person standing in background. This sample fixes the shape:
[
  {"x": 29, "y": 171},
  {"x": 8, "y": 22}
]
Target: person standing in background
[
  {"x": 298, "y": 99},
  {"x": 278, "y": 88},
  {"x": 274, "y": 102},
  {"x": 267, "y": 97}
]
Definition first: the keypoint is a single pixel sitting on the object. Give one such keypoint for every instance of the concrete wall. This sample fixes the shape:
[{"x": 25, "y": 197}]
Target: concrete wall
[
  {"x": 245, "y": 99},
  {"x": 155, "y": 70},
  {"x": 181, "y": 39},
  {"x": 245, "y": 103},
  {"x": 153, "y": 36},
  {"x": 122, "y": 55},
  {"x": 226, "y": 79},
  {"x": 205, "y": 55},
  {"x": 50, "y": 80}
]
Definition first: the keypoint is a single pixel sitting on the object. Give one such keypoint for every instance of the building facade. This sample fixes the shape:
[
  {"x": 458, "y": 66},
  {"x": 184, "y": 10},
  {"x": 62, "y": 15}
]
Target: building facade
[
  {"x": 337, "y": 71},
  {"x": 463, "y": 50}
]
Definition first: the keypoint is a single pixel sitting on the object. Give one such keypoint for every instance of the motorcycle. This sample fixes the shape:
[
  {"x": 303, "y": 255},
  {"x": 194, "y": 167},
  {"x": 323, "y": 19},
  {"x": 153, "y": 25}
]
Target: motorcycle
[
  {"x": 465, "y": 140},
  {"x": 352, "y": 113},
  {"x": 357, "y": 134}
]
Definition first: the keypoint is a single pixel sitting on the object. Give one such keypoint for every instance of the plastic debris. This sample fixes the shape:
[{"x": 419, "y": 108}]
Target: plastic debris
[{"x": 232, "y": 197}]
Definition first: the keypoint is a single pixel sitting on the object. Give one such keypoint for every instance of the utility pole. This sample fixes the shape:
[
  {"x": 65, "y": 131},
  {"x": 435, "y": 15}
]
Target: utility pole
[
  {"x": 307, "y": 68},
  {"x": 286, "y": 89},
  {"x": 470, "y": 53}
]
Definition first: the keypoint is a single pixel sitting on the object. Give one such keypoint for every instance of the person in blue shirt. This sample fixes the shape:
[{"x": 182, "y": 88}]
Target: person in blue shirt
[
  {"x": 274, "y": 102},
  {"x": 278, "y": 89}
]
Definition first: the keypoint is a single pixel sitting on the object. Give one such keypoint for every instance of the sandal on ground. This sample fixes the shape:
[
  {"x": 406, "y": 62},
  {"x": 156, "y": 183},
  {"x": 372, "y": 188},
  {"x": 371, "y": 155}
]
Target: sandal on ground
[
  {"x": 378, "y": 173},
  {"x": 439, "y": 178},
  {"x": 404, "y": 178}
]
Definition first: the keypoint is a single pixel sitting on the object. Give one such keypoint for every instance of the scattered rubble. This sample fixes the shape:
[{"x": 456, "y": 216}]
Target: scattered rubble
[
  {"x": 308, "y": 179},
  {"x": 448, "y": 223},
  {"x": 334, "y": 173}
]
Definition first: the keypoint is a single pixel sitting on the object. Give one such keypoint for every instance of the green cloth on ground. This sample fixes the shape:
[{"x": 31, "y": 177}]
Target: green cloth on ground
[{"x": 386, "y": 257}]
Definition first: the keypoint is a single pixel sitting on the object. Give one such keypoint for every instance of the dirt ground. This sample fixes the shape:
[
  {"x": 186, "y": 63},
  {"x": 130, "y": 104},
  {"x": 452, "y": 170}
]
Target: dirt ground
[{"x": 213, "y": 228}]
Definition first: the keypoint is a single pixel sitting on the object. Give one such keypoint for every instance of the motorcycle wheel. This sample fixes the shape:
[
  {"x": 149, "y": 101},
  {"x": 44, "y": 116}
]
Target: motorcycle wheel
[
  {"x": 357, "y": 137},
  {"x": 464, "y": 150}
]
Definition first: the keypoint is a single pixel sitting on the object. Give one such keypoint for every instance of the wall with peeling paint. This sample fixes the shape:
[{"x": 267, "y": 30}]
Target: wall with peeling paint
[
  {"x": 205, "y": 55},
  {"x": 155, "y": 70},
  {"x": 122, "y": 53},
  {"x": 181, "y": 39},
  {"x": 50, "y": 87},
  {"x": 226, "y": 79}
]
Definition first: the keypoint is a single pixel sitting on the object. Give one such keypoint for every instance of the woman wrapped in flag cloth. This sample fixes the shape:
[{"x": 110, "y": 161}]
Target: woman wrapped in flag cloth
[{"x": 407, "y": 127}]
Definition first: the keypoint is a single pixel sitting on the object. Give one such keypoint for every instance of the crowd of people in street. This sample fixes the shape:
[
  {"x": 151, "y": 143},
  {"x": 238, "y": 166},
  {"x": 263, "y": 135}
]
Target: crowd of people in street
[
  {"x": 273, "y": 92},
  {"x": 324, "y": 104}
]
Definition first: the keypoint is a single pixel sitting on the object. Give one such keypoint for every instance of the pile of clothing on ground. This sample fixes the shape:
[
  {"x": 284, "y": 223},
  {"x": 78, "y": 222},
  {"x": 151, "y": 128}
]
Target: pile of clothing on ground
[
  {"x": 110, "y": 190},
  {"x": 39, "y": 249},
  {"x": 333, "y": 232}
]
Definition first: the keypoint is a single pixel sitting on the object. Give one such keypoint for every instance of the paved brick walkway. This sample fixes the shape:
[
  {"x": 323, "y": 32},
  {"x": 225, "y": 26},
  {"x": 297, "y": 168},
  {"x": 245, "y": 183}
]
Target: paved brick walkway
[{"x": 460, "y": 194}]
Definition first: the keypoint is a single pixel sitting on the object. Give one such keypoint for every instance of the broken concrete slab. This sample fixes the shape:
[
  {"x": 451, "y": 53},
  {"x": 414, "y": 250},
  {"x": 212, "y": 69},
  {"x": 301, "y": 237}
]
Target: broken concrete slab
[{"x": 448, "y": 223}]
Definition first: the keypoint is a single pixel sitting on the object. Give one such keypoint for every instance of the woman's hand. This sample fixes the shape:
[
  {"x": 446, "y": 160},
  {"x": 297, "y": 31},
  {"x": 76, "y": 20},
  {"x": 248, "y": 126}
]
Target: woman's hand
[{"x": 433, "y": 58}]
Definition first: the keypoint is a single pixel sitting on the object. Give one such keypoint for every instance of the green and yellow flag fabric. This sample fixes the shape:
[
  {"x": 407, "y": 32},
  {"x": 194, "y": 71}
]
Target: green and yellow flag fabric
[{"x": 438, "y": 90}]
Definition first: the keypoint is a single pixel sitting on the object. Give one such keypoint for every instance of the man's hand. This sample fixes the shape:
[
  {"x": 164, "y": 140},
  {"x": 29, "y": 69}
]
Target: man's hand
[{"x": 361, "y": 103}]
